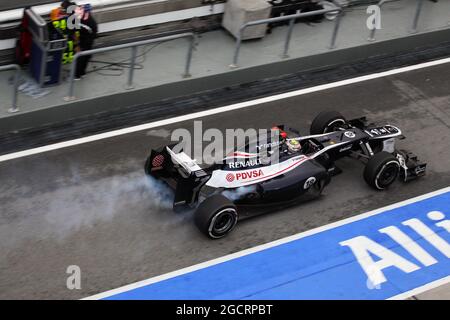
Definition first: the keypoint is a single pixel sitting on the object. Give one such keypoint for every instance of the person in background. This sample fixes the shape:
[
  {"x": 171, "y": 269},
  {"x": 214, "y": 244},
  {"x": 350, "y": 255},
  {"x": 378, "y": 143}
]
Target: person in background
[
  {"x": 88, "y": 33},
  {"x": 62, "y": 21},
  {"x": 24, "y": 43},
  {"x": 61, "y": 12},
  {"x": 66, "y": 4}
]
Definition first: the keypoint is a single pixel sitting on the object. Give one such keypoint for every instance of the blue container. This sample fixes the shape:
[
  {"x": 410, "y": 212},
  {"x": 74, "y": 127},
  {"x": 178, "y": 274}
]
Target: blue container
[{"x": 46, "y": 61}]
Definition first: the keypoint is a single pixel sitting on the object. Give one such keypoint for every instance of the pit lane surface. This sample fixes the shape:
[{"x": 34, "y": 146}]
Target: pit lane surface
[{"x": 90, "y": 205}]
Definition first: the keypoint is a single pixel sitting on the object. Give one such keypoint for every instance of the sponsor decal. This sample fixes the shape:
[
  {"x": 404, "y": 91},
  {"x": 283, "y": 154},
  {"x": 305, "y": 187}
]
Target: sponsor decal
[
  {"x": 349, "y": 134},
  {"x": 420, "y": 169},
  {"x": 230, "y": 177},
  {"x": 249, "y": 174},
  {"x": 158, "y": 161},
  {"x": 242, "y": 154},
  {"x": 386, "y": 130},
  {"x": 375, "y": 132},
  {"x": 309, "y": 183},
  {"x": 244, "y": 164},
  {"x": 227, "y": 179},
  {"x": 268, "y": 145},
  {"x": 345, "y": 148},
  {"x": 392, "y": 129}
]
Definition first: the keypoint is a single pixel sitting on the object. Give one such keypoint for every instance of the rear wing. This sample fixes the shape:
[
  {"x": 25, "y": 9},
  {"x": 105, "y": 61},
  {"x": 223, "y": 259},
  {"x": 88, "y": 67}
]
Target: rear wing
[
  {"x": 182, "y": 159},
  {"x": 180, "y": 172}
]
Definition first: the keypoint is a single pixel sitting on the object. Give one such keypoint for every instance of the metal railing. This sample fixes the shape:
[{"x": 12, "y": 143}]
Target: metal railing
[
  {"x": 14, "y": 108},
  {"x": 291, "y": 18},
  {"x": 133, "y": 46},
  {"x": 417, "y": 16},
  {"x": 415, "y": 20}
]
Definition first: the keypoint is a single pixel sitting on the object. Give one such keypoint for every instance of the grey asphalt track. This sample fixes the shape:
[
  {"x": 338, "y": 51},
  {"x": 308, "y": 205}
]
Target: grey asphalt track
[{"x": 91, "y": 206}]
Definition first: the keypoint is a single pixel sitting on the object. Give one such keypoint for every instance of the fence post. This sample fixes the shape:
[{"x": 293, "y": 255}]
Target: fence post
[
  {"x": 187, "y": 70},
  {"x": 417, "y": 16},
  {"x": 71, "y": 96},
  {"x": 372, "y": 35},
  {"x": 234, "y": 64},
  {"x": 335, "y": 30},
  {"x": 14, "y": 108},
  {"x": 288, "y": 39},
  {"x": 133, "y": 64}
]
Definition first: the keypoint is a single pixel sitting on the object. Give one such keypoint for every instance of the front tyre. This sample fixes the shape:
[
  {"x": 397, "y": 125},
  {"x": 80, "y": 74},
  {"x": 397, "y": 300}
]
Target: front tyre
[
  {"x": 216, "y": 216},
  {"x": 327, "y": 121},
  {"x": 382, "y": 170}
]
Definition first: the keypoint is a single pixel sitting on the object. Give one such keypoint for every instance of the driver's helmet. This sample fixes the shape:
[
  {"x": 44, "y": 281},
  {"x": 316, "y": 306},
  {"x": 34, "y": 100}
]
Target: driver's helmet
[{"x": 293, "y": 145}]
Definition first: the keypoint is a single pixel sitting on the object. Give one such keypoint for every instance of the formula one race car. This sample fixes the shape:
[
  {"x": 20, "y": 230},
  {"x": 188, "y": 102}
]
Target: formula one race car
[{"x": 245, "y": 184}]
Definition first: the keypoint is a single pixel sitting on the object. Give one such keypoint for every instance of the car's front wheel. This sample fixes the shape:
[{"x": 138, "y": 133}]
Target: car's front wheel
[
  {"x": 216, "y": 216},
  {"x": 327, "y": 121},
  {"x": 381, "y": 170}
]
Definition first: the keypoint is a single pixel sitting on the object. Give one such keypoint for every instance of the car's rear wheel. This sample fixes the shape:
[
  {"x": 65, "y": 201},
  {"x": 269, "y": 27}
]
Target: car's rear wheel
[
  {"x": 327, "y": 121},
  {"x": 216, "y": 216},
  {"x": 381, "y": 170}
]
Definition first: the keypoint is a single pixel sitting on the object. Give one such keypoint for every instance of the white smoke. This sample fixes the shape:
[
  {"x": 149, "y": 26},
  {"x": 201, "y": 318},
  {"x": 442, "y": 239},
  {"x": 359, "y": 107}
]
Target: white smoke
[
  {"x": 161, "y": 195},
  {"x": 238, "y": 193},
  {"x": 103, "y": 200},
  {"x": 88, "y": 203}
]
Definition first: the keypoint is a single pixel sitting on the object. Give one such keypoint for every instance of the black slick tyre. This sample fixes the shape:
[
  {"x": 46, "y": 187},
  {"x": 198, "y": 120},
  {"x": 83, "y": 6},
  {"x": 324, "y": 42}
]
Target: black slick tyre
[
  {"x": 381, "y": 170},
  {"x": 327, "y": 121},
  {"x": 216, "y": 216}
]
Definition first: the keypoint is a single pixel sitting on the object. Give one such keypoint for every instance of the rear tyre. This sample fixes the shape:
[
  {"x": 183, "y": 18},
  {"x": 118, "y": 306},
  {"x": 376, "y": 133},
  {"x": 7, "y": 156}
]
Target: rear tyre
[
  {"x": 382, "y": 170},
  {"x": 216, "y": 216},
  {"x": 327, "y": 121}
]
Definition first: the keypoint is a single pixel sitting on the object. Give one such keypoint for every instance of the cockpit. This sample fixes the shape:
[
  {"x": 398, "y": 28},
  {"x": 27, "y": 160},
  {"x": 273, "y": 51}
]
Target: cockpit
[{"x": 306, "y": 147}]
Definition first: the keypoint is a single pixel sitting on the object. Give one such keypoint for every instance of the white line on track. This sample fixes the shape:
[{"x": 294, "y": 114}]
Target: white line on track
[
  {"x": 282, "y": 241},
  {"x": 211, "y": 112},
  {"x": 419, "y": 290}
]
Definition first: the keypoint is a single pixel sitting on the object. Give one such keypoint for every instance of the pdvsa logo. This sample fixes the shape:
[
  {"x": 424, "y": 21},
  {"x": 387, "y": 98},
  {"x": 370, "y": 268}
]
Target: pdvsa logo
[
  {"x": 230, "y": 177},
  {"x": 249, "y": 174}
]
